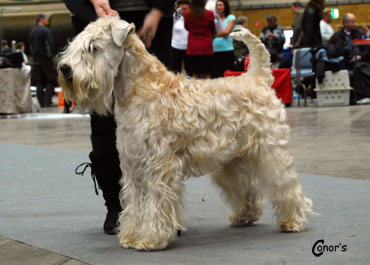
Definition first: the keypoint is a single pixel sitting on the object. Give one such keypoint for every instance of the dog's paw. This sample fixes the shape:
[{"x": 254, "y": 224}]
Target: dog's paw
[
  {"x": 150, "y": 244},
  {"x": 290, "y": 227},
  {"x": 240, "y": 220},
  {"x": 127, "y": 240}
]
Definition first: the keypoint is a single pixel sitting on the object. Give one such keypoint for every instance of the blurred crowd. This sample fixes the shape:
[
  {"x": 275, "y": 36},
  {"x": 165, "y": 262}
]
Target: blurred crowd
[
  {"x": 201, "y": 46},
  {"x": 331, "y": 51},
  {"x": 201, "y": 42}
]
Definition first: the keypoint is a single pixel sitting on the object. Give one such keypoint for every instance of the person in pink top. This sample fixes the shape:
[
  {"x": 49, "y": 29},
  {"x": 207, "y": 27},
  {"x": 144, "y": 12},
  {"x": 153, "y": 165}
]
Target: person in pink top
[{"x": 201, "y": 26}]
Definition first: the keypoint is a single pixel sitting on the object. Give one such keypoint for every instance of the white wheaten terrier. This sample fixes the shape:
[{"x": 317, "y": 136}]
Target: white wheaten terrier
[{"x": 171, "y": 127}]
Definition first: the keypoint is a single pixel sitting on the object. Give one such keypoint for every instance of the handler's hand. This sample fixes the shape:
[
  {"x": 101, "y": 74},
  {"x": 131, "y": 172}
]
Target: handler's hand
[
  {"x": 150, "y": 25},
  {"x": 102, "y": 8}
]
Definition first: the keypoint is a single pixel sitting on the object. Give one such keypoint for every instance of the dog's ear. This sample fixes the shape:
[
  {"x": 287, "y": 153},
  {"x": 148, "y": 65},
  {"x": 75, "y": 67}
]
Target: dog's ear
[{"x": 120, "y": 30}]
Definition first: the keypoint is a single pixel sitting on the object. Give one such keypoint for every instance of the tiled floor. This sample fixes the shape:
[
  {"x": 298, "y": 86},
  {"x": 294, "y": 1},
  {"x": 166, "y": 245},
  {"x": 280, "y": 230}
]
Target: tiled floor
[{"x": 331, "y": 141}]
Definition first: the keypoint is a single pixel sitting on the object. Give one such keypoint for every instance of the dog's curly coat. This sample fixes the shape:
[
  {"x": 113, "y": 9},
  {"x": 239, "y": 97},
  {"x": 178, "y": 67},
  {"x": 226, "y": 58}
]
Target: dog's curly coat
[{"x": 171, "y": 127}]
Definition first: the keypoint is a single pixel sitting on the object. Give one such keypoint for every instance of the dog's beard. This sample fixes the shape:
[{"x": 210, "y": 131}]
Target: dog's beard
[{"x": 89, "y": 83}]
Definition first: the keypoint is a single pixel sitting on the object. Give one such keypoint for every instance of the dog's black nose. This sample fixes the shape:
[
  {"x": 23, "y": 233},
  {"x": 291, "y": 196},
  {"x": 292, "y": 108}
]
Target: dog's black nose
[{"x": 67, "y": 71}]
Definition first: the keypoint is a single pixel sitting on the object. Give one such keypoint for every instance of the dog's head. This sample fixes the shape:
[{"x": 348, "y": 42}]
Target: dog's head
[{"x": 89, "y": 64}]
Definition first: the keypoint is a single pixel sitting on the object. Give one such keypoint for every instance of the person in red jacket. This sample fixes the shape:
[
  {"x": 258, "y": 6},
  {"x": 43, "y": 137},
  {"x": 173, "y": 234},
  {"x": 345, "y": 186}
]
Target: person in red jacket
[{"x": 201, "y": 26}]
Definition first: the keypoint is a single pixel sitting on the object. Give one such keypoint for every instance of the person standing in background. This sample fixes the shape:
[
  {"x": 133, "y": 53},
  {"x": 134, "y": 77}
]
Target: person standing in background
[
  {"x": 325, "y": 28},
  {"x": 222, "y": 43},
  {"x": 295, "y": 40},
  {"x": 240, "y": 49},
  {"x": 21, "y": 47},
  {"x": 312, "y": 16},
  {"x": 179, "y": 41},
  {"x": 5, "y": 47},
  {"x": 297, "y": 10},
  {"x": 43, "y": 70},
  {"x": 273, "y": 37},
  {"x": 201, "y": 26}
]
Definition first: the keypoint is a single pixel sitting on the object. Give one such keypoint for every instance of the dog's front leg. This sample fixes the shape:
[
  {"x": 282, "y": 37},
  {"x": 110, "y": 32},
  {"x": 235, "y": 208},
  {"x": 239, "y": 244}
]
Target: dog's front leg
[
  {"x": 163, "y": 209},
  {"x": 132, "y": 197}
]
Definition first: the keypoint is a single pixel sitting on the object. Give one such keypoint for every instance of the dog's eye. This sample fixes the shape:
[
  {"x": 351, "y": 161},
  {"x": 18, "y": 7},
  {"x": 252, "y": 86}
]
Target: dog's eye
[{"x": 67, "y": 72}]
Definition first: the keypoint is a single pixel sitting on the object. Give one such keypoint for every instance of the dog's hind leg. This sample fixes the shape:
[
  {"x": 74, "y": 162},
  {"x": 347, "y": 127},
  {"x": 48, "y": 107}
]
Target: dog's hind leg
[
  {"x": 240, "y": 190},
  {"x": 283, "y": 187}
]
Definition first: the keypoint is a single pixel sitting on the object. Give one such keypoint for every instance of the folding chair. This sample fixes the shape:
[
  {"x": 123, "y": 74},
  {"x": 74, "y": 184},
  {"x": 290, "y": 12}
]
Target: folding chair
[{"x": 301, "y": 68}]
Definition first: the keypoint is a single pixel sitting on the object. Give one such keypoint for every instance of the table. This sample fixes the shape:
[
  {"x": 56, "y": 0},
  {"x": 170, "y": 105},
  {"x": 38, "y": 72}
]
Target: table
[
  {"x": 15, "y": 95},
  {"x": 282, "y": 83}
]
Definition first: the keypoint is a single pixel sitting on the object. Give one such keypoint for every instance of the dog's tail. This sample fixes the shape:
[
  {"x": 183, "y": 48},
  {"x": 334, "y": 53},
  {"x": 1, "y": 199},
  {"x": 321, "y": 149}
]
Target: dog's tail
[{"x": 259, "y": 56}]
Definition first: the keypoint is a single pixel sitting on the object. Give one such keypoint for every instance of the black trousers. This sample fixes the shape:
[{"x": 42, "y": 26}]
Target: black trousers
[
  {"x": 361, "y": 80},
  {"x": 44, "y": 76},
  {"x": 177, "y": 57},
  {"x": 222, "y": 61}
]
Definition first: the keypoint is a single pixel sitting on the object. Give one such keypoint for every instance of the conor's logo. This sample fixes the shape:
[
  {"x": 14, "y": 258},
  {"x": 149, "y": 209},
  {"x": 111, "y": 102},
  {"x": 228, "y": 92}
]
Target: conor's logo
[{"x": 319, "y": 248}]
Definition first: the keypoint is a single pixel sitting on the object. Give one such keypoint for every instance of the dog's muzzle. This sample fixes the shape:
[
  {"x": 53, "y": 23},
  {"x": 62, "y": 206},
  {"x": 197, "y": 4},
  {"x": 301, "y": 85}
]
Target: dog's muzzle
[{"x": 67, "y": 72}]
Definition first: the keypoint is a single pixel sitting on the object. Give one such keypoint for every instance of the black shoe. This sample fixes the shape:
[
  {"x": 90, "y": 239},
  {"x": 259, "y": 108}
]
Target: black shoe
[
  {"x": 111, "y": 223},
  {"x": 110, "y": 190},
  {"x": 66, "y": 110}
]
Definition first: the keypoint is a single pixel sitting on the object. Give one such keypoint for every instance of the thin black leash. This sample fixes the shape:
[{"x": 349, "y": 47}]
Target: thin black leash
[{"x": 81, "y": 172}]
